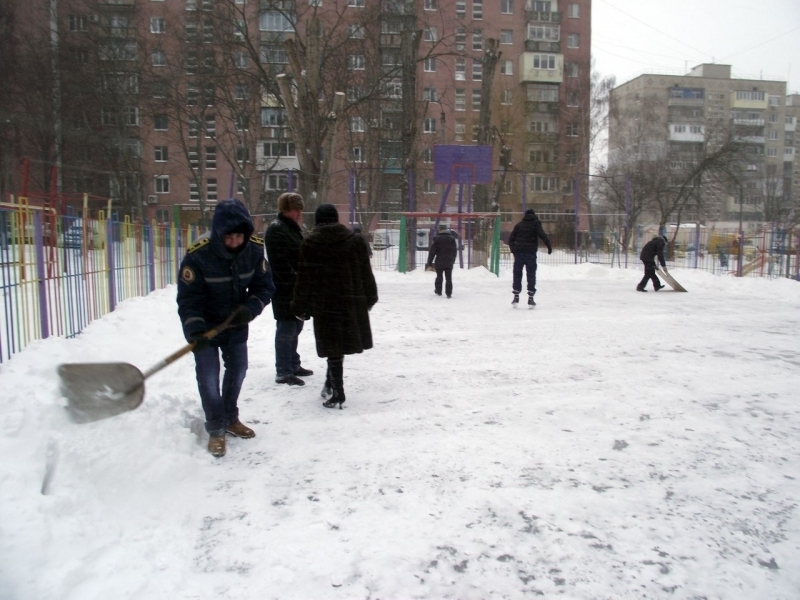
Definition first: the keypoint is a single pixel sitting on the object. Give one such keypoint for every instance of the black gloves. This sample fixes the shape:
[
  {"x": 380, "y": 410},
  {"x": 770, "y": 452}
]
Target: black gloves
[
  {"x": 241, "y": 316},
  {"x": 549, "y": 250},
  {"x": 200, "y": 342}
]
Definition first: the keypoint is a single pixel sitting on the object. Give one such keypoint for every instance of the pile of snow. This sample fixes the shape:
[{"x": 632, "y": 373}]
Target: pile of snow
[{"x": 606, "y": 444}]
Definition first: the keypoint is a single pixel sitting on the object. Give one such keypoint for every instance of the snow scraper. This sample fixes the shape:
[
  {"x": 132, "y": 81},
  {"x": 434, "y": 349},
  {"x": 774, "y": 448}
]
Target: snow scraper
[
  {"x": 664, "y": 274},
  {"x": 97, "y": 391}
]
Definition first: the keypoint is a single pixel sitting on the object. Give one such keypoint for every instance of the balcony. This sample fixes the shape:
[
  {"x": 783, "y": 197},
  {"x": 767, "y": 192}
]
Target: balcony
[
  {"x": 537, "y": 46},
  {"x": 541, "y": 167},
  {"x": 686, "y": 102},
  {"x": 543, "y": 17},
  {"x": 749, "y": 122},
  {"x": 391, "y": 40},
  {"x": 116, "y": 3},
  {"x": 541, "y": 107},
  {"x": 549, "y": 137}
]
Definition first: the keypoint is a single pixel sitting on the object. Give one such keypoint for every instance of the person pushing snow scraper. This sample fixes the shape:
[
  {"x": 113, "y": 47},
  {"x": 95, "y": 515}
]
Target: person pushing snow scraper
[
  {"x": 224, "y": 273},
  {"x": 524, "y": 243},
  {"x": 442, "y": 257},
  {"x": 652, "y": 250}
]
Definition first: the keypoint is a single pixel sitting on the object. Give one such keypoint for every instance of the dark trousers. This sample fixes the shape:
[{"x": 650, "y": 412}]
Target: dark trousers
[
  {"x": 287, "y": 360},
  {"x": 650, "y": 275},
  {"x": 448, "y": 277},
  {"x": 528, "y": 261},
  {"x": 334, "y": 378},
  {"x": 220, "y": 408}
]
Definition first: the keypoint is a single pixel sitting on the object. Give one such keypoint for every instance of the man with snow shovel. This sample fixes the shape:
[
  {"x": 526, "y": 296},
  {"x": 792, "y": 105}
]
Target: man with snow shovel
[{"x": 224, "y": 273}]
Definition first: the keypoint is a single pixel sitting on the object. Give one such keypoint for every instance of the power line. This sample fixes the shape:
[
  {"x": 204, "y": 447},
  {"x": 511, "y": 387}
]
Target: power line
[{"x": 761, "y": 44}]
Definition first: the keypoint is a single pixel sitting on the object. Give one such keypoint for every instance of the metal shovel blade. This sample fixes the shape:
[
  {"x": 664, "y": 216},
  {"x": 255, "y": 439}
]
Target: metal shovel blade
[{"x": 97, "y": 391}]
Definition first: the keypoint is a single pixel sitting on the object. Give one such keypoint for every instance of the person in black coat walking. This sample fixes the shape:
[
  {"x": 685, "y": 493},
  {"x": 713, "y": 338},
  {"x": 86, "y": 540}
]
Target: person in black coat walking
[
  {"x": 282, "y": 240},
  {"x": 652, "y": 250},
  {"x": 524, "y": 243},
  {"x": 336, "y": 287},
  {"x": 442, "y": 256},
  {"x": 223, "y": 273}
]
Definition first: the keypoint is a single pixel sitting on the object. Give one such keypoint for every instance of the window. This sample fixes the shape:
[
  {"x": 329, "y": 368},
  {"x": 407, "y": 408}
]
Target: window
[
  {"x": 536, "y": 6},
  {"x": 461, "y": 99},
  {"x": 460, "y": 129},
  {"x": 574, "y": 11},
  {"x": 679, "y": 128},
  {"x": 354, "y": 93},
  {"x": 429, "y": 65},
  {"x": 788, "y": 151},
  {"x": 428, "y": 186},
  {"x": 477, "y": 39},
  {"x": 130, "y": 115},
  {"x": 544, "y": 61},
  {"x": 507, "y": 97},
  {"x": 278, "y": 182},
  {"x": 774, "y": 100},
  {"x": 160, "y": 122},
  {"x": 161, "y": 184},
  {"x": 695, "y": 129},
  {"x": 477, "y": 70},
  {"x": 211, "y": 125},
  {"x": 572, "y": 99},
  {"x": 573, "y": 40},
  {"x": 506, "y": 67},
  {"x": 773, "y": 135},
  {"x": 241, "y": 123},
  {"x": 357, "y": 124},
  {"x": 542, "y": 93},
  {"x": 274, "y": 21},
  {"x": 357, "y": 154},
  {"x": 429, "y": 94},
  {"x": 158, "y": 58},
  {"x": 240, "y": 91},
  {"x": 477, "y": 9},
  {"x": 506, "y": 36},
  {"x": 427, "y": 155},
  {"x": 461, "y": 38},
  {"x": 544, "y": 33},
  {"x": 192, "y": 95},
  {"x": 242, "y": 184},
  {"x": 79, "y": 56},
  {"x": 193, "y": 127},
  {"x": 194, "y": 157},
  {"x": 430, "y": 34},
  {"x": 430, "y": 5},
  {"x": 773, "y": 117},
  {"x": 355, "y": 31},
  {"x": 747, "y": 95},
  {"x": 356, "y": 62},
  {"x": 542, "y": 124},
  {"x": 429, "y": 125},
  {"x": 109, "y": 116},
  {"x": 572, "y": 69},
  {"x": 461, "y": 9},
  {"x": 544, "y": 183},
  {"x": 475, "y": 129},
  {"x": 279, "y": 149},
  {"x": 191, "y": 5},
  {"x": 461, "y": 69},
  {"x": 158, "y": 24},
  {"x": 507, "y": 7},
  {"x": 272, "y": 117},
  {"x": 211, "y": 189},
  {"x": 161, "y": 153},
  {"x": 772, "y": 152},
  {"x": 539, "y": 155},
  {"x": 508, "y": 186},
  {"x": 242, "y": 155},
  {"x": 78, "y": 23},
  {"x": 355, "y": 3},
  {"x": 117, "y": 49},
  {"x": 211, "y": 157},
  {"x": 572, "y": 129},
  {"x": 476, "y": 99},
  {"x": 239, "y": 29},
  {"x": 572, "y": 158}
]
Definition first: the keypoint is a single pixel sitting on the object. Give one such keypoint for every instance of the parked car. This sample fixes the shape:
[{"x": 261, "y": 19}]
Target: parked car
[{"x": 72, "y": 236}]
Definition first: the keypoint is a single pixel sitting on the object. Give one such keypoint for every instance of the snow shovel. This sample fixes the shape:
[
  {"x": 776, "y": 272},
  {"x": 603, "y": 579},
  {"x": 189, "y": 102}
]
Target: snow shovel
[{"x": 97, "y": 391}]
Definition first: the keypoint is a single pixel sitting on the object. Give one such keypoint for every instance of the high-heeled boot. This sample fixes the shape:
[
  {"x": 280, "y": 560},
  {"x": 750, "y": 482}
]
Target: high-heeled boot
[{"x": 335, "y": 382}]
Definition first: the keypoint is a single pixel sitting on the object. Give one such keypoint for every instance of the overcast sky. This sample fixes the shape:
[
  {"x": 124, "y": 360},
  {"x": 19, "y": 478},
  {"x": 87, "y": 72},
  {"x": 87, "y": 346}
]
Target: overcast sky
[{"x": 760, "y": 40}]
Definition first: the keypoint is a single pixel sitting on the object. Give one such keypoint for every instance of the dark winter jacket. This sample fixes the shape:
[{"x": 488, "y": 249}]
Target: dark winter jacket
[
  {"x": 214, "y": 281},
  {"x": 282, "y": 240},
  {"x": 525, "y": 236},
  {"x": 654, "y": 248},
  {"x": 336, "y": 287},
  {"x": 443, "y": 250}
]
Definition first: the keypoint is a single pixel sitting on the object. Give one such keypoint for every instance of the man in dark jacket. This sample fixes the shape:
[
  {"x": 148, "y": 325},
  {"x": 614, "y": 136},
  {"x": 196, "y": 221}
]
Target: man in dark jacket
[
  {"x": 652, "y": 249},
  {"x": 442, "y": 256},
  {"x": 282, "y": 240},
  {"x": 223, "y": 273},
  {"x": 336, "y": 287},
  {"x": 524, "y": 243}
]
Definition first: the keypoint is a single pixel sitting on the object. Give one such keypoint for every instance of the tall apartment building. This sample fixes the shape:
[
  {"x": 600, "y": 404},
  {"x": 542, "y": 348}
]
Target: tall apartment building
[
  {"x": 677, "y": 117},
  {"x": 170, "y": 105}
]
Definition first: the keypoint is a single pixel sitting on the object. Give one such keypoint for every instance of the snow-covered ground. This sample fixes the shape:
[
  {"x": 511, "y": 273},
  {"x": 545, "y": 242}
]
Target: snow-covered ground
[{"x": 607, "y": 444}]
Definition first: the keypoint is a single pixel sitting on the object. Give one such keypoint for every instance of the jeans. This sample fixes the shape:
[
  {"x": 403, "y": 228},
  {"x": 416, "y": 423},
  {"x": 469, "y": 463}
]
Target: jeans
[
  {"x": 448, "y": 277},
  {"x": 287, "y": 360},
  {"x": 527, "y": 260},
  {"x": 221, "y": 409},
  {"x": 650, "y": 275}
]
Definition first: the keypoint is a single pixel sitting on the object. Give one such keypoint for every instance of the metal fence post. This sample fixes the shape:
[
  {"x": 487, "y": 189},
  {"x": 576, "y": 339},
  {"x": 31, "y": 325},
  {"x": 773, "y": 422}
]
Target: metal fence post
[
  {"x": 151, "y": 249},
  {"x": 112, "y": 287},
  {"x": 37, "y": 228}
]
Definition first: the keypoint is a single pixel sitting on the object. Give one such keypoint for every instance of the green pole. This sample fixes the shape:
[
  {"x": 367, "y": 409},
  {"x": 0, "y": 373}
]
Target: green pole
[
  {"x": 402, "y": 265},
  {"x": 495, "y": 256}
]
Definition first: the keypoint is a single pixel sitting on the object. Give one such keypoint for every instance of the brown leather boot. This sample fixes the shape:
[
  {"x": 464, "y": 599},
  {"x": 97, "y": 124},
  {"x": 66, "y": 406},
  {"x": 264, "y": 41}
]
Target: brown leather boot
[
  {"x": 241, "y": 430},
  {"x": 216, "y": 446}
]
